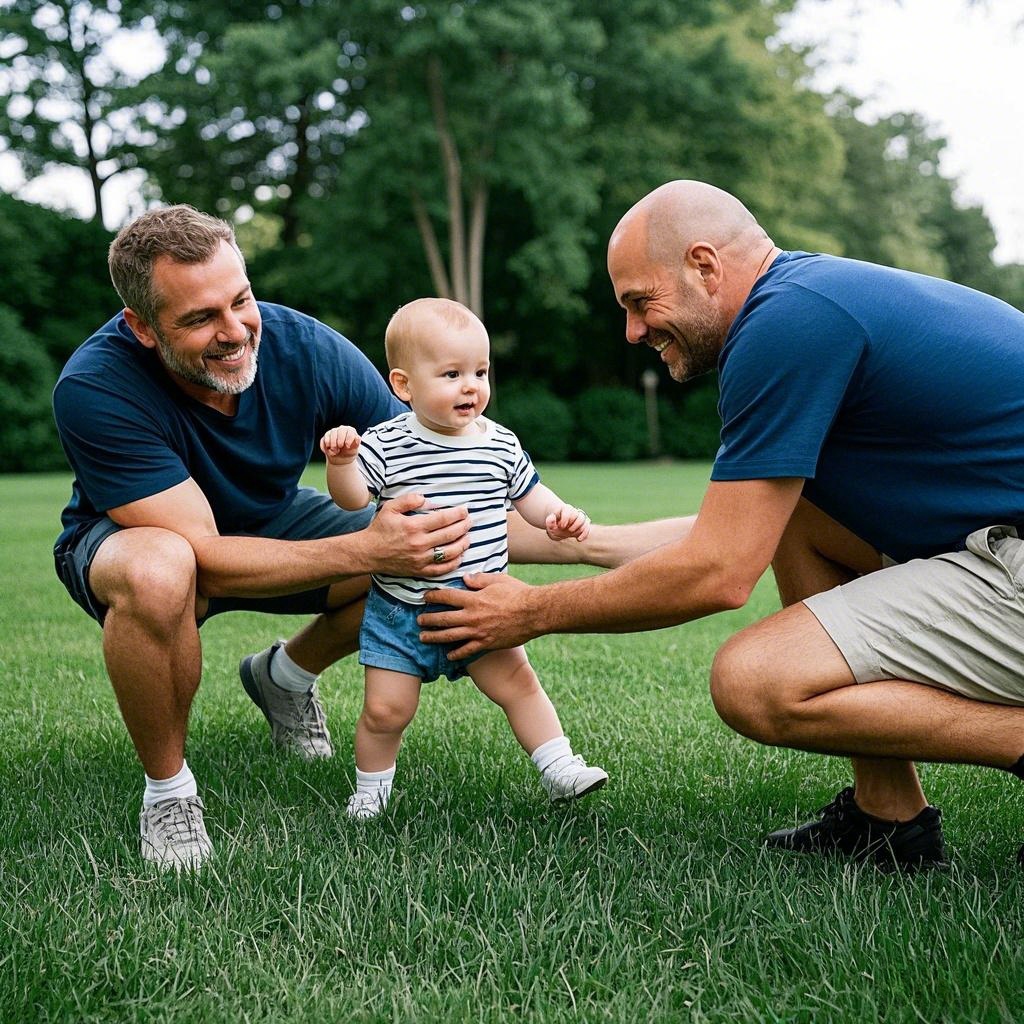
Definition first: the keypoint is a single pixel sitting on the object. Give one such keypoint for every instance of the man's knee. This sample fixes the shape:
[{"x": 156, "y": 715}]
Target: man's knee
[
  {"x": 743, "y": 695},
  {"x": 148, "y": 573}
]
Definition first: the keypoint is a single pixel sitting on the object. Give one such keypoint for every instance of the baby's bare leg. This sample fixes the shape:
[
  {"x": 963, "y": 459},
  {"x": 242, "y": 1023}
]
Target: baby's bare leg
[
  {"x": 389, "y": 703},
  {"x": 508, "y": 679}
]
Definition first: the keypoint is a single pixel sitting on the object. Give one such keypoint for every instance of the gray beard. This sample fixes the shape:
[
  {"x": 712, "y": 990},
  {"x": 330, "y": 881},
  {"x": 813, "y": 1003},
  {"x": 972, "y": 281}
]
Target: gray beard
[{"x": 202, "y": 377}]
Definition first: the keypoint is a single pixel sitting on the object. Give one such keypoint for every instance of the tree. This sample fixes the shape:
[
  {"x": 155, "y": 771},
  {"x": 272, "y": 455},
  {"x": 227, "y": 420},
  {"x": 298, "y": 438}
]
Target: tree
[{"x": 66, "y": 102}]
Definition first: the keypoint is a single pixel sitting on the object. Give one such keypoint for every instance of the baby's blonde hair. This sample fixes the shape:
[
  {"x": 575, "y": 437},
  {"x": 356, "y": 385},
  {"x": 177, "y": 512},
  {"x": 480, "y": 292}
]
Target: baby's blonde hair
[{"x": 403, "y": 330}]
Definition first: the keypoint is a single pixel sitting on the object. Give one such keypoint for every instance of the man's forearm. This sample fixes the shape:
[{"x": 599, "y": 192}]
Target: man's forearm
[
  {"x": 651, "y": 592},
  {"x": 263, "y": 567},
  {"x": 606, "y": 547}
]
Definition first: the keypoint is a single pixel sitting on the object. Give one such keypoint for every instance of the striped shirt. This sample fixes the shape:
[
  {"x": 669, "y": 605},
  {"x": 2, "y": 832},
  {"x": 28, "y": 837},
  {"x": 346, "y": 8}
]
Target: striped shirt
[{"x": 484, "y": 472}]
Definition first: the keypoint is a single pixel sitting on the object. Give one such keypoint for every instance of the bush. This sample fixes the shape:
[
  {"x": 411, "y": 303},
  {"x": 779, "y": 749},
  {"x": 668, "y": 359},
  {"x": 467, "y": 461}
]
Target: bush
[
  {"x": 693, "y": 431},
  {"x": 541, "y": 420},
  {"x": 611, "y": 425},
  {"x": 28, "y": 437}
]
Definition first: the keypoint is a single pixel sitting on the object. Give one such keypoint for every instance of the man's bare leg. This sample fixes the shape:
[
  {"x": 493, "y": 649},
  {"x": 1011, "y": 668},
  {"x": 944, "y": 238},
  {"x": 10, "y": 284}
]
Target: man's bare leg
[
  {"x": 815, "y": 555},
  {"x": 147, "y": 578},
  {"x": 783, "y": 682},
  {"x": 334, "y": 634}
]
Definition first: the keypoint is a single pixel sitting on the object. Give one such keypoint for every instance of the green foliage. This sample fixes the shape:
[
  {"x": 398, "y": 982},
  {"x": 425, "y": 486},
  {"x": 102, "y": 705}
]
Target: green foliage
[
  {"x": 691, "y": 428},
  {"x": 67, "y": 103},
  {"x": 610, "y": 425},
  {"x": 54, "y": 275},
  {"x": 542, "y": 421},
  {"x": 28, "y": 437}
]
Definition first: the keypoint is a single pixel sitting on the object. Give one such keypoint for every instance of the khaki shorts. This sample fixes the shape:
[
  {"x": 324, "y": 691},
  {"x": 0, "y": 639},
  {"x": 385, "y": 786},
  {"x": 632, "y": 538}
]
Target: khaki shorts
[{"x": 955, "y": 621}]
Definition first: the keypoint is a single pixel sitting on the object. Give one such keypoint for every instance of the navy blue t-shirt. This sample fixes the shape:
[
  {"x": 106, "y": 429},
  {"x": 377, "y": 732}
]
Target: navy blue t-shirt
[
  {"x": 898, "y": 397},
  {"x": 130, "y": 432}
]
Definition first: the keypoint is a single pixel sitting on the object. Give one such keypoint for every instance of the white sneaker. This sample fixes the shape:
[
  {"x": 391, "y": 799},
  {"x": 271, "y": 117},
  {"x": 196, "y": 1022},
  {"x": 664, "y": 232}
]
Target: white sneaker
[
  {"x": 173, "y": 835},
  {"x": 364, "y": 806},
  {"x": 297, "y": 721},
  {"x": 569, "y": 778}
]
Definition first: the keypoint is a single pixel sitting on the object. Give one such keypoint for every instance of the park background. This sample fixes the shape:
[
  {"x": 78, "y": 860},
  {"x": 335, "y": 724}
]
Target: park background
[{"x": 368, "y": 153}]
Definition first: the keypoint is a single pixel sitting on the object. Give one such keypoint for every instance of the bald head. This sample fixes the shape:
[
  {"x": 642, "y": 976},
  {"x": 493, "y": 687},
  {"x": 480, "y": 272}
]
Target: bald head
[
  {"x": 679, "y": 214},
  {"x": 682, "y": 263}
]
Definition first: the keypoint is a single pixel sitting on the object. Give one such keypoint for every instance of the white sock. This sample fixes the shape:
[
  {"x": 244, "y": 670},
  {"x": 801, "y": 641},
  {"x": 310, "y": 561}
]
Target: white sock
[
  {"x": 548, "y": 753},
  {"x": 177, "y": 786},
  {"x": 289, "y": 676},
  {"x": 377, "y": 784}
]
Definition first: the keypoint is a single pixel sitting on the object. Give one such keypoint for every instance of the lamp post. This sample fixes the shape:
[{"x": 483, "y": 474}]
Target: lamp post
[{"x": 649, "y": 380}]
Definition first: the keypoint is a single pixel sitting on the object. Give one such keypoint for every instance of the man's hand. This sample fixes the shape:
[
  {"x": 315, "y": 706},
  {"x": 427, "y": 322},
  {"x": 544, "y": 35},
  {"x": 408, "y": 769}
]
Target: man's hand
[
  {"x": 429, "y": 543},
  {"x": 340, "y": 445},
  {"x": 567, "y": 522},
  {"x": 485, "y": 617}
]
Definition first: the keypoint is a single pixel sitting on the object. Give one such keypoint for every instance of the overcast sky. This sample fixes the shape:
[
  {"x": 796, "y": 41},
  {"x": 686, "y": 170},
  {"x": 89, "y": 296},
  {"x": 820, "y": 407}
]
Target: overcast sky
[{"x": 959, "y": 64}]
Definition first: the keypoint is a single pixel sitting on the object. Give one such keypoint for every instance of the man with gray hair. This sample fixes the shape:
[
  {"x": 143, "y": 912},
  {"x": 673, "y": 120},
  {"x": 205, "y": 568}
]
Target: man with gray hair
[
  {"x": 873, "y": 454},
  {"x": 188, "y": 419}
]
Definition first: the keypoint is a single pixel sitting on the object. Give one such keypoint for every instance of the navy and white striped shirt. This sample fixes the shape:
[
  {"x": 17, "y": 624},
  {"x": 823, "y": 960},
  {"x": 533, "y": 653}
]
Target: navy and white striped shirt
[{"x": 485, "y": 472}]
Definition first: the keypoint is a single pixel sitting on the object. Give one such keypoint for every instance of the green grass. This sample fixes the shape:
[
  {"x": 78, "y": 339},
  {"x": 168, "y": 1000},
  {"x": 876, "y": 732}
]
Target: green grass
[{"x": 472, "y": 900}]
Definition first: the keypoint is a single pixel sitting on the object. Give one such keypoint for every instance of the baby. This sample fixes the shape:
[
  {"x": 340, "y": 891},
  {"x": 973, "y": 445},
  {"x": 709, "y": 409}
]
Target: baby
[{"x": 446, "y": 450}]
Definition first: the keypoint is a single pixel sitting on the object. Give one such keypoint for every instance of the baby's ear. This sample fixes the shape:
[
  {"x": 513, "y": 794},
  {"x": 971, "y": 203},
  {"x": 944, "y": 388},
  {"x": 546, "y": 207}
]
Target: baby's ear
[{"x": 399, "y": 380}]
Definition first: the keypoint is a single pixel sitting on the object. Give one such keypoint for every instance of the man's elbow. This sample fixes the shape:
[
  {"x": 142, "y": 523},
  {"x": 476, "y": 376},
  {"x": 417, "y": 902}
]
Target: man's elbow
[{"x": 731, "y": 591}]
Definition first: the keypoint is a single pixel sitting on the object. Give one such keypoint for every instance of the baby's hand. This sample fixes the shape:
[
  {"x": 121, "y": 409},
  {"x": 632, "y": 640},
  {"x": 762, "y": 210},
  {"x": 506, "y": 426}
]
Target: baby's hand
[
  {"x": 566, "y": 522},
  {"x": 340, "y": 445}
]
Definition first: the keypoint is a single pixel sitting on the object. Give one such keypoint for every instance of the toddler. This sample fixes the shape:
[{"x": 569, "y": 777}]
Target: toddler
[{"x": 445, "y": 449}]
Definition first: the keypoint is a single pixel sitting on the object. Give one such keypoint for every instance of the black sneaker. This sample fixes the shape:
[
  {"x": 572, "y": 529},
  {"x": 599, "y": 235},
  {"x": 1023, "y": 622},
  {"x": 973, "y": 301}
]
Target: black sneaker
[{"x": 843, "y": 828}]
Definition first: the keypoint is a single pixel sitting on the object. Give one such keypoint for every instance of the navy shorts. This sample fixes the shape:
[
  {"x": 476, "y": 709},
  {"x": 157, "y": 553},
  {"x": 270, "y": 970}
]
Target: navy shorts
[
  {"x": 390, "y": 639},
  {"x": 311, "y": 516}
]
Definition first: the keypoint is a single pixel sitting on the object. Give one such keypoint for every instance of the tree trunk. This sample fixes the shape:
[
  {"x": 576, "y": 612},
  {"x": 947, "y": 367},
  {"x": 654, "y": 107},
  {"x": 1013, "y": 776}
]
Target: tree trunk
[{"x": 453, "y": 182}]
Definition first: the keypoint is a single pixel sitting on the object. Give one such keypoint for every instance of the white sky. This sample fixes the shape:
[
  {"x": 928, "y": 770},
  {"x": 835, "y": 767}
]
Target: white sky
[{"x": 960, "y": 65}]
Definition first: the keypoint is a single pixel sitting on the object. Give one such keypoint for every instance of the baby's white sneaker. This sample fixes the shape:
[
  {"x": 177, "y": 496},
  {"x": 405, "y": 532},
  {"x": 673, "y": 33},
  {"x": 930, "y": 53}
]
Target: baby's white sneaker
[
  {"x": 569, "y": 778},
  {"x": 363, "y": 805}
]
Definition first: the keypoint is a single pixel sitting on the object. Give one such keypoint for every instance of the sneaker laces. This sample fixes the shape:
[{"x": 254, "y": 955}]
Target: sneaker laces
[{"x": 176, "y": 820}]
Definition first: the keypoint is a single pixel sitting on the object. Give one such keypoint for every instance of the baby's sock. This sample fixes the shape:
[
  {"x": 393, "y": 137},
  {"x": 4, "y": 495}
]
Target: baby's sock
[
  {"x": 375, "y": 784},
  {"x": 177, "y": 786},
  {"x": 289, "y": 676},
  {"x": 547, "y": 754}
]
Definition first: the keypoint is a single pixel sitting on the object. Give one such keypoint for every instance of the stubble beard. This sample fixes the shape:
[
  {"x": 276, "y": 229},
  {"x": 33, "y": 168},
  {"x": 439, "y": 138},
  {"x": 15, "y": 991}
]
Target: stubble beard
[
  {"x": 698, "y": 343},
  {"x": 204, "y": 378}
]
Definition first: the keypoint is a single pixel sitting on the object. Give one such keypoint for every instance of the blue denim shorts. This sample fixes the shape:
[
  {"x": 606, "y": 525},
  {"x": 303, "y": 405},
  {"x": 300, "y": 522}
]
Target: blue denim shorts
[
  {"x": 311, "y": 516},
  {"x": 390, "y": 639}
]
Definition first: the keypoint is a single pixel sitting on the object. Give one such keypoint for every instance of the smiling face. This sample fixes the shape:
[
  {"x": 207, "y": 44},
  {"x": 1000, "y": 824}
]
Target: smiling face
[
  {"x": 444, "y": 376},
  {"x": 667, "y": 307},
  {"x": 207, "y": 329}
]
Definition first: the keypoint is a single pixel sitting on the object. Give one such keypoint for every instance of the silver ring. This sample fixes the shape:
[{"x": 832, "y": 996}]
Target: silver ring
[{"x": 439, "y": 556}]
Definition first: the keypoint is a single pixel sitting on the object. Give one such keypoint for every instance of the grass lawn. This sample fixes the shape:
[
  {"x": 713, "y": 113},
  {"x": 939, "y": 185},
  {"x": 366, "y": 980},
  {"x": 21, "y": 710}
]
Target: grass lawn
[{"x": 473, "y": 899}]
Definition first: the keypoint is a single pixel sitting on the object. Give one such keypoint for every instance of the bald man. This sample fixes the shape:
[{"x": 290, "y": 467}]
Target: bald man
[{"x": 872, "y": 454}]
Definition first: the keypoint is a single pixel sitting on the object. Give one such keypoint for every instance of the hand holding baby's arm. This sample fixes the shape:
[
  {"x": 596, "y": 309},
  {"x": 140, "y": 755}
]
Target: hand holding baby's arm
[
  {"x": 567, "y": 522},
  {"x": 340, "y": 445}
]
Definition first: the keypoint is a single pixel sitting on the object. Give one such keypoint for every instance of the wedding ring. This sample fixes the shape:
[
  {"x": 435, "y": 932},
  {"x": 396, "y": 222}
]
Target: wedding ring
[{"x": 438, "y": 556}]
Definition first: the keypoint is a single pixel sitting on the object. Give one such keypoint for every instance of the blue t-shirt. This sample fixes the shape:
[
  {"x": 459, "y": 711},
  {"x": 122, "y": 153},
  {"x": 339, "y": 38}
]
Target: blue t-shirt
[
  {"x": 129, "y": 431},
  {"x": 898, "y": 397}
]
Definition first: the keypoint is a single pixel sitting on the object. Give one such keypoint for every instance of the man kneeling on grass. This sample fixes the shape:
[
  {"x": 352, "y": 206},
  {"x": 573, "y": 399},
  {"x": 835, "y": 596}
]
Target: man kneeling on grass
[{"x": 873, "y": 454}]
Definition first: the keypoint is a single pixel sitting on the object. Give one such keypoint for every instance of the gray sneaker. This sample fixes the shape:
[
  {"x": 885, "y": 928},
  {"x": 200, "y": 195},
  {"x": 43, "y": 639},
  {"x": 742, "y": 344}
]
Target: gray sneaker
[
  {"x": 297, "y": 721},
  {"x": 569, "y": 778},
  {"x": 173, "y": 835}
]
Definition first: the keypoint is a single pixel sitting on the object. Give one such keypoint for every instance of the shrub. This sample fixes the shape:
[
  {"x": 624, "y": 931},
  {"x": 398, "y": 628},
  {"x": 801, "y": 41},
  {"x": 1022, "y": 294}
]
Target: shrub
[
  {"x": 693, "y": 429},
  {"x": 541, "y": 420},
  {"x": 610, "y": 425},
  {"x": 28, "y": 437}
]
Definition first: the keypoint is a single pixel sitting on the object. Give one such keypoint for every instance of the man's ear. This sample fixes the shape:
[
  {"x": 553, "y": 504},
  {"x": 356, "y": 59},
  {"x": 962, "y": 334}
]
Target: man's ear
[
  {"x": 704, "y": 257},
  {"x": 399, "y": 381},
  {"x": 140, "y": 328}
]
